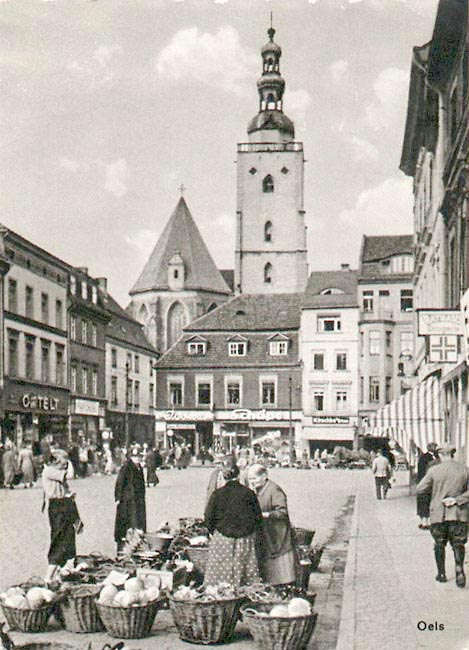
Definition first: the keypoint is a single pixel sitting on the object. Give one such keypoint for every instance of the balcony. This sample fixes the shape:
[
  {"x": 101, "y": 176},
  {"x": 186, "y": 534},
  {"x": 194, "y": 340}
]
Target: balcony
[
  {"x": 255, "y": 147},
  {"x": 378, "y": 314}
]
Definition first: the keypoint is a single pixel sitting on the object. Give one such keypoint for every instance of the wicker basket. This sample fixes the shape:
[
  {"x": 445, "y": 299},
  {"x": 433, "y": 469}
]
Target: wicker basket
[
  {"x": 78, "y": 607},
  {"x": 198, "y": 555},
  {"x": 38, "y": 645},
  {"x": 304, "y": 537},
  {"x": 205, "y": 622},
  {"x": 278, "y": 633},
  {"x": 28, "y": 620},
  {"x": 129, "y": 622}
]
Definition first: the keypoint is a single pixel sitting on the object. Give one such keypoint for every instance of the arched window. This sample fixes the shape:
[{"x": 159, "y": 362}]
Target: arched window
[
  {"x": 270, "y": 99},
  {"x": 143, "y": 315},
  {"x": 268, "y": 231},
  {"x": 176, "y": 321},
  {"x": 176, "y": 274},
  {"x": 268, "y": 184},
  {"x": 268, "y": 273}
]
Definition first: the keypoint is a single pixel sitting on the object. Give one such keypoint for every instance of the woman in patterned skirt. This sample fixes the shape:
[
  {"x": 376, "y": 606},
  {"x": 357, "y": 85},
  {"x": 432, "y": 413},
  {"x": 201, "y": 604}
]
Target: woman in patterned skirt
[{"x": 233, "y": 517}]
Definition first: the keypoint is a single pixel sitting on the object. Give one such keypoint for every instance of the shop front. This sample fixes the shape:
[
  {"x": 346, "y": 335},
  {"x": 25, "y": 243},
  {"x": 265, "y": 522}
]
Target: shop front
[
  {"x": 87, "y": 419},
  {"x": 247, "y": 427},
  {"x": 33, "y": 411},
  {"x": 329, "y": 431},
  {"x": 194, "y": 428}
]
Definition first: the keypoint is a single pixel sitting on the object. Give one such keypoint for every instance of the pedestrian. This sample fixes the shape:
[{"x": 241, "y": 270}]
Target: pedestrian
[
  {"x": 64, "y": 519},
  {"x": 382, "y": 471},
  {"x": 158, "y": 458},
  {"x": 278, "y": 562},
  {"x": 234, "y": 519},
  {"x": 108, "y": 462},
  {"x": 150, "y": 461},
  {"x": 129, "y": 496},
  {"x": 74, "y": 458},
  {"x": 217, "y": 479},
  {"x": 178, "y": 455},
  {"x": 9, "y": 465},
  {"x": 448, "y": 484},
  {"x": 425, "y": 461},
  {"x": 45, "y": 448},
  {"x": 26, "y": 465}
]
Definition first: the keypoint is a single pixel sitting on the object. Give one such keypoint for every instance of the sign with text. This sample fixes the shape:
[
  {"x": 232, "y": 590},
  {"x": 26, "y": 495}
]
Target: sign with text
[
  {"x": 39, "y": 402},
  {"x": 185, "y": 416},
  {"x": 330, "y": 419},
  {"x": 439, "y": 322},
  {"x": 86, "y": 407}
]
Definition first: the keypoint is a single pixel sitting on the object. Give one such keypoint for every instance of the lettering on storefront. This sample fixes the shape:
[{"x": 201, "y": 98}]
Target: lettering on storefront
[
  {"x": 330, "y": 419},
  {"x": 86, "y": 407},
  {"x": 439, "y": 322},
  {"x": 259, "y": 416},
  {"x": 184, "y": 416},
  {"x": 39, "y": 402}
]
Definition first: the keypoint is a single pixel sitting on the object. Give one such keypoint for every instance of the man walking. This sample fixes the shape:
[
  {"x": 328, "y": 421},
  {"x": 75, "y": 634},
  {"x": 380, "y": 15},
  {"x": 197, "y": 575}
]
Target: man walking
[
  {"x": 448, "y": 484},
  {"x": 382, "y": 471}
]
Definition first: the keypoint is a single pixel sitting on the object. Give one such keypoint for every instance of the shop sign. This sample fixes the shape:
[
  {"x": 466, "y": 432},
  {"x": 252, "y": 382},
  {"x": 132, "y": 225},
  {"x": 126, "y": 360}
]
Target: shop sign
[
  {"x": 184, "y": 416},
  {"x": 86, "y": 407},
  {"x": 440, "y": 322},
  {"x": 257, "y": 416},
  {"x": 330, "y": 419},
  {"x": 39, "y": 402}
]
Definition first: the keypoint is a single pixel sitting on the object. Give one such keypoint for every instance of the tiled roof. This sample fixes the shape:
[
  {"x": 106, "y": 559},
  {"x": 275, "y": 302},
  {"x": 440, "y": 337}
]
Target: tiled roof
[
  {"x": 381, "y": 247},
  {"x": 252, "y": 312},
  {"x": 182, "y": 236},
  {"x": 319, "y": 281},
  {"x": 124, "y": 328}
]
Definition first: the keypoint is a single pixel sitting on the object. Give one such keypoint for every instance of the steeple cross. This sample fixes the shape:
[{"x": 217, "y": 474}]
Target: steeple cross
[{"x": 182, "y": 189}]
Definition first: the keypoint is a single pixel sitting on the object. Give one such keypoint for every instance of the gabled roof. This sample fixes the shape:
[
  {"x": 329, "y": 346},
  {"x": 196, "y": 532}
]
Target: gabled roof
[
  {"x": 123, "y": 328},
  {"x": 181, "y": 235},
  {"x": 342, "y": 281}
]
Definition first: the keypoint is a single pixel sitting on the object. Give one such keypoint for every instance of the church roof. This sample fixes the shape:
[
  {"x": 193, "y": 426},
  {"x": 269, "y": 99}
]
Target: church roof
[
  {"x": 182, "y": 236},
  {"x": 123, "y": 328},
  {"x": 272, "y": 120}
]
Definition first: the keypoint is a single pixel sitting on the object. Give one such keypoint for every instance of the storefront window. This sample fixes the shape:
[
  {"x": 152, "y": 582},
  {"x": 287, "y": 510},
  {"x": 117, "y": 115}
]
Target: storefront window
[
  {"x": 45, "y": 361},
  {"x": 30, "y": 349},
  {"x": 13, "y": 354}
]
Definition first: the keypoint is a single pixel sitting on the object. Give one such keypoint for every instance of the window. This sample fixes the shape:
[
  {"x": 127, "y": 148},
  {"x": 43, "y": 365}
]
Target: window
[
  {"x": 407, "y": 300},
  {"x": 374, "y": 389},
  {"x": 84, "y": 331},
  {"x": 318, "y": 400},
  {"x": 402, "y": 264},
  {"x": 84, "y": 379},
  {"x": 45, "y": 361},
  {"x": 318, "y": 361},
  {"x": 151, "y": 398},
  {"x": 387, "y": 389},
  {"x": 329, "y": 324},
  {"x": 388, "y": 340},
  {"x": 253, "y": 171},
  {"x": 73, "y": 285},
  {"x": 84, "y": 290},
  {"x": 268, "y": 273},
  {"x": 137, "y": 363},
  {"x": 237, "y": 349},
  {"x": 94, "y": 381},
  {"x": 73, "y": 328},
  {"x": 128, "y": 393},
  {"x": 407, "y": 344},
  {"x": 278, "y": 348},
  {"x": 204, "y": 393},
  {"x": 59, "y": 365},
  {"x": 196, "y": 347},
  {"x": 341, "y": 400},
  {"x": 400, "y": 369},
  {"x": 150, "y": 367},
  {"x": 113, "y": 358},
  {"x": 94, "y": 295},
  {"x": 362, "y": 343},
  {"x": 59, "y": 314},
  {"x": 268, "y": 397},
  {"x": 114, "y": 391},
  {"x": 175, "y": 393},
  {"x": 29, "y": 303},
  {"x": 268, "y": 184},
  {"x": 13, "y": 354},
  {"x": 73, "y": 379},
  {"x": 175, "y": 274},
  {"x": 12, "y": 295},
  {"x": 268, "y": 231},
  {"x": 362, "y": 390},
  {"x": 341, "y": 361},
  {"x": 44, "y": 307},
  {"x": 374, "y": 342},
  {"x": 233, "y": 393},
  {"x": 383, "y": 293},
  {"x": 136, "y": 394},
  {"x": 368, "y": 301},
  {"x": 94, "y": 335},
  {"x": 128, "y": 363},
  {"x": 30, "y": 353}
]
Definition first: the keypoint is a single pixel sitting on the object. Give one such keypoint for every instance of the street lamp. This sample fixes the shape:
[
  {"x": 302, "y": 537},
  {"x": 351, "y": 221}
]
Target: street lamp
[
  {"x": 126, "y": 425},
  {"x": 291, "y": 436}
]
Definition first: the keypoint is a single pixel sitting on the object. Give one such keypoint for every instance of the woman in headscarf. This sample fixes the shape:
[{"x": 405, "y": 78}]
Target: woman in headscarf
[
  {"x": 234, "y": 519},
  {"x": 279, "y": 562},
  {"x": 129, "y": 495}
]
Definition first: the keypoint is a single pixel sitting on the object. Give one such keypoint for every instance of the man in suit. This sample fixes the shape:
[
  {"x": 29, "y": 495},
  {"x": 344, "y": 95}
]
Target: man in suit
[
  {"x": 448, "y": 484},
  {"x": 382, "y": 471}
]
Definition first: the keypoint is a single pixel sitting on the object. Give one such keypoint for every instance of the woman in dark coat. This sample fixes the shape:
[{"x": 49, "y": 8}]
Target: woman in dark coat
[
  {"x": 150, "y": 461},
  {"x": 129, "y": 495},
  {"x": 423, "y": 500}
]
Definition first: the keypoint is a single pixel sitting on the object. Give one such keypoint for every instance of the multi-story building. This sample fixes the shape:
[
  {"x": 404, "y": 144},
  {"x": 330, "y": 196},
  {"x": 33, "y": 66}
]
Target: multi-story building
[
  {"x": 86, "y": 327},
  {"x": 234, "y": 377},
  {"x": 130, "y": 376},
  {"x": 329, "y": 352},
  {"x": 36, "y": 395},
  {"x": 386, "y": 322}
]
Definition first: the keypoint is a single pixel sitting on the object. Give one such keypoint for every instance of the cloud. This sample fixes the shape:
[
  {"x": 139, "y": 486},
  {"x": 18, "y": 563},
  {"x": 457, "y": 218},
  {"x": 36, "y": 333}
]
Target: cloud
[
  {"x": 217, "y": 60},
  {"x": 390, "y": 89},
  {"x": 296, "y": 103},
  {"x": 338, "y": 69},
  {"x": 116, "y": 174},
  {"x": 69, "y": 164},
  {"x": 363, "y": 151},
  {"x": 386, "y": 209},
  {"x": 97, "y": 69},
  {"x": 142, "y": 240}
]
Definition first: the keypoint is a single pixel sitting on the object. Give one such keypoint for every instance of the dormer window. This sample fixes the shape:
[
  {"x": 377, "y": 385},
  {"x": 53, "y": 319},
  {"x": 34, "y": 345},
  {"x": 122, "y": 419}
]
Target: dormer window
[
  {"x": 195, "y": 348},
  {"x": 278, "y": 348},
  {"x": 237, "y": 348},
  {"x": 268, "y": 184}
]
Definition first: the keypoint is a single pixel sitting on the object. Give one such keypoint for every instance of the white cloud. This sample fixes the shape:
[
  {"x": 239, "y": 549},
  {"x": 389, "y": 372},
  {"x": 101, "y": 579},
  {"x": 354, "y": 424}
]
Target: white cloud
[
  {"x": 69, "y": 164},
  {"x": 385, "y": 209},
  {"x": 217, "y": 60},
  {"x": 142, "y": 240},
  {"x": 363, "y": 151},
  {"x": 116, "y": 174},
  {"x": 338, "y": 69},
  {"x": 390, "y": 89},
  {"x": 296, "y": 103}
]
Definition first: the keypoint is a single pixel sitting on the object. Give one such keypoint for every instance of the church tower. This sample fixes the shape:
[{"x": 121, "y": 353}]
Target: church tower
[{"x": 271, "y": 251}]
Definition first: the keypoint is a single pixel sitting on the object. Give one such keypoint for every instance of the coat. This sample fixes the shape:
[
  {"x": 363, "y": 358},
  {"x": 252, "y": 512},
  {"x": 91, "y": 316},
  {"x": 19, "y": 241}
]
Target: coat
[
  {"x": 25, "y": 464},
  {"x": 277, "y": 529},
  {"x": 130, "y": 494},
  {"x": 9, "y": 465},
  {"x": 446, "y": 479}
]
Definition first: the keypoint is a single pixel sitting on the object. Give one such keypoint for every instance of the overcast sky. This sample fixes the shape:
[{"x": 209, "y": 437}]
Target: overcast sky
[{"x": 107, "y": 106}]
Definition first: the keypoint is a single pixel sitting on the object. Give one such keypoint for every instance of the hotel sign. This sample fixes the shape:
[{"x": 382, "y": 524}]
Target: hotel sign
[
  {"x": 440, "y": 322},
  {"x": 330, "y": 419},
  {"x": 39, "y": 402}
]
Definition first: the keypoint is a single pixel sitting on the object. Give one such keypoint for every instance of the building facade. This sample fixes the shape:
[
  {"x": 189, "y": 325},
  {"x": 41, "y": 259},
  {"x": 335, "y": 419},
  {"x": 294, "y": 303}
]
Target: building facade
[
  {"x": 270, "y": 254},
  {"x": 329, "y": 352}
]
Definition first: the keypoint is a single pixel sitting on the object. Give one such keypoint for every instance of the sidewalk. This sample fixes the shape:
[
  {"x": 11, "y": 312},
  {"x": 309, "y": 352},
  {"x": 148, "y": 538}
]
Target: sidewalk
[{"x": 389, "y": 588}]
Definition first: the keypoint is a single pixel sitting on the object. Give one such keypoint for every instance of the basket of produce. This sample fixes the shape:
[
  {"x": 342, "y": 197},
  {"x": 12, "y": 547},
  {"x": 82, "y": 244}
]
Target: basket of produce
[
  {"x": 286, "y": 626},
  {"x": 270, "y": 595},
  {"x": 159, "y": 541},
  {"x": 78, "y": 608},
  {"x": 304, "y": 537},
  {"x": 205, "y": 615},
  {"x": 28, "y": 609},
  {"x": 129, "y": 612}
]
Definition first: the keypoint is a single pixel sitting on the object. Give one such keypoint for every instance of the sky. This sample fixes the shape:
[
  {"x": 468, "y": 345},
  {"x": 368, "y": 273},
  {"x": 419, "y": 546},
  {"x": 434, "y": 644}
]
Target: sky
[{"x": 107, "y": 107}]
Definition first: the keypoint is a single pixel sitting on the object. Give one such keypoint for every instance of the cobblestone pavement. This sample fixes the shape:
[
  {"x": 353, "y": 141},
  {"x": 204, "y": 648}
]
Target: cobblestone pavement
[{"x": 315, "y": 499}]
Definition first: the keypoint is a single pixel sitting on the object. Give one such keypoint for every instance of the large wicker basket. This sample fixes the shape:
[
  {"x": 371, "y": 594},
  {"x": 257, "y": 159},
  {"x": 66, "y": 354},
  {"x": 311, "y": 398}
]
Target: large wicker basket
[
  {"x": 198, "y": 555},
  {"x": 129, "y": 622},
  {"x": 79, "y": 611},
  {"x": 205, "y": 622},
  {"x": 304, "y": 537},
  {"x": 278, "y": 633},
  {"x": 28, "y": 620}
]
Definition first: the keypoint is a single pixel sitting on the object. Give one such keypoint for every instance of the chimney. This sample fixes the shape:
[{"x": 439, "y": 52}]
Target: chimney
[
  {"x": 102, "y": 283},
  {"x": 345, "y": 267}
]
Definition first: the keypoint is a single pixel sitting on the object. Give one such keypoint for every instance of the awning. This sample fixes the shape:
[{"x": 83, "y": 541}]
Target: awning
[{"x": 414, "y": 419}]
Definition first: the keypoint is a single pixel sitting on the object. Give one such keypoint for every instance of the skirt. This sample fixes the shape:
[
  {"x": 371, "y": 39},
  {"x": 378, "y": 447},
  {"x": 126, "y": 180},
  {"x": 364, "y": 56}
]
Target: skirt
[
  {"x": 232, "y": 560},
  {"x": 423, "y": 505},
  {"x": 63, "y": 514}
]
